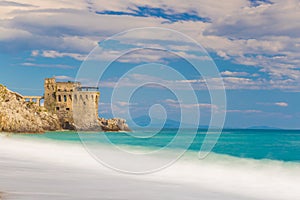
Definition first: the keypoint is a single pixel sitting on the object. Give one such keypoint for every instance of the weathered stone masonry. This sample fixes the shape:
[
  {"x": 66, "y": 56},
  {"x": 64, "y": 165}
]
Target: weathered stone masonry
[
  {"x": 67, "y": 105},
  {"x": 73, "y": 103}
]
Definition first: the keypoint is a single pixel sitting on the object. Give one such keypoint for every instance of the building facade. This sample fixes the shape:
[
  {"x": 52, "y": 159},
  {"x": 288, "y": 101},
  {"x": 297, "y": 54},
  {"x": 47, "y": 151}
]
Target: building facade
[{"x": 74, "y": 104}]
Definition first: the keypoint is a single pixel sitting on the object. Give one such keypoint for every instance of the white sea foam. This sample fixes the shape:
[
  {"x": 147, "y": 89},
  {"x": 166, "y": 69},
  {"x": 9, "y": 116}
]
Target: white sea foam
[
  {"x": 232, "y": 178},
  {"x": 263, "y": 179}
]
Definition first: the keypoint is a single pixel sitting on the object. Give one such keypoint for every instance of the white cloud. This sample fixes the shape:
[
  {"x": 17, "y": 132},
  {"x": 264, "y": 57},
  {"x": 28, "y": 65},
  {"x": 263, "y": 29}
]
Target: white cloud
[
  {"x": 230, "y": 83},
  {"x": 55, "y": 54},
  {"x": 29, "y": 64},
  {"x": 35, "y": 53},
  {"x": 247, "y": 21},
  {"x": 171, "y": 101},
  {"x": 14, "y": 4},
  {"x": 238, "y": 32},
  {"x": 124, "y": 103},
  {"x": 7, "y": 34},
  {"x": 151, "y": 81},
  {"x": 120, "y": 107},
  {"x": 64, "y": 78},
  {"x": 190, "y": 106},
  {"x": 282, "y": 104},
  {"x": 244, "y": 111},
  {"x": 229, "y": 73}
]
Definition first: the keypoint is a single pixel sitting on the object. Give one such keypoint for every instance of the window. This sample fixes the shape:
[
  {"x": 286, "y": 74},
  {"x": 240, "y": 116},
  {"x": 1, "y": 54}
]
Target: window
[
  {"x": 59, "y": 98},
  {"x": 67, "y": 108},
  {"x": 70, "y": 97},
  {"x": 65, "y": 98},
  {"x": 57, "y": 108},
  {"x": 58, "y": 90}
]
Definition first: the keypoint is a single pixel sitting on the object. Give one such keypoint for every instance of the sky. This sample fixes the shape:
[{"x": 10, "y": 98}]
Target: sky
[{"x": 254, "y": 44}]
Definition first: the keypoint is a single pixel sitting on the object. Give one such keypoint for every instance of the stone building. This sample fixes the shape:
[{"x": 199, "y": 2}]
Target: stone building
[{"x": 75, "y": 105}]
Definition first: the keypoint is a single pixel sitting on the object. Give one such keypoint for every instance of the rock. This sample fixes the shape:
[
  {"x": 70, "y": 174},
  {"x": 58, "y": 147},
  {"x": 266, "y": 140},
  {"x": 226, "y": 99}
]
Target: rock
[
  {"x": 19, "y": 116},
  {"x": 115, "y": 124}
]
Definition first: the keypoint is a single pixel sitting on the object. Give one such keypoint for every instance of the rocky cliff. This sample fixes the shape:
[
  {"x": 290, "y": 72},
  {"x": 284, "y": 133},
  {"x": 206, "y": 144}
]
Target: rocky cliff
[{"x": 19, "y": 116}]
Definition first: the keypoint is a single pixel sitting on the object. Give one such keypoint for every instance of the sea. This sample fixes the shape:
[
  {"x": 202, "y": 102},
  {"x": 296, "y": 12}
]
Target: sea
[
  {"x": 240, "y": 163},
  {"x": 277, "y": 145}
]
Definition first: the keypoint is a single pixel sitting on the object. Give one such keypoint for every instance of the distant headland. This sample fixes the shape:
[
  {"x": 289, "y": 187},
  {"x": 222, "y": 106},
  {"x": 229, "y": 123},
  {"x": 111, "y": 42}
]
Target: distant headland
[{"x": 67, "y": 106}]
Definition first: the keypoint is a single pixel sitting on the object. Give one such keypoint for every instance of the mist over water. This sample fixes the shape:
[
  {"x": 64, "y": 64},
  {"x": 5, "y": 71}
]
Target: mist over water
[{"x": 244, "y": 164}]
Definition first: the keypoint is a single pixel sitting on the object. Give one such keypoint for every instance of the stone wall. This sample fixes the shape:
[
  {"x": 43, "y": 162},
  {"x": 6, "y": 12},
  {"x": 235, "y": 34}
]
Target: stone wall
[
  {"x": 58, "y": 99},
  {"x": 50, "y": 94},
  {"x": 85, "y": 110}
]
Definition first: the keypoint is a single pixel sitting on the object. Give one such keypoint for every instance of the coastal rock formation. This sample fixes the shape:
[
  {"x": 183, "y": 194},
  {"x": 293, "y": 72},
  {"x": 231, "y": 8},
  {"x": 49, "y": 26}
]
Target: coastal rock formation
[
  {"x": 19, "y": 116},
  {"x": 115, "y": 124}
]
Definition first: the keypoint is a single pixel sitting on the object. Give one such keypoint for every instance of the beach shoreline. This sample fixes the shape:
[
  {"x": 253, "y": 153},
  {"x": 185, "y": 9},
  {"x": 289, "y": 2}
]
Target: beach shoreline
[
  {"x": 46, "y": 170},
  {"x": 35, "y": 177}
]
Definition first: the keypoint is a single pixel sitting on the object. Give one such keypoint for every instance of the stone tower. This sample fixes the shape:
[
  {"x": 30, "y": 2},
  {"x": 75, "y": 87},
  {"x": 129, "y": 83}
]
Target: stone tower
[
  {"x": 85, "y": 108},
  {"x": 76, "y": 106},
  {"x": 49, "y": 95}
]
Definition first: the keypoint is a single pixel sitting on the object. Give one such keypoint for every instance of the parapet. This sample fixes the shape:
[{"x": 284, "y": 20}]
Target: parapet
[{"x": 87, "y": 89}]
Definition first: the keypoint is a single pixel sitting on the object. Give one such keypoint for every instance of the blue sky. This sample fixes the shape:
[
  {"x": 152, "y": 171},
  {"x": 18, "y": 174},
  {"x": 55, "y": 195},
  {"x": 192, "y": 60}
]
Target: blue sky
[{"x": 255, "y": 45}]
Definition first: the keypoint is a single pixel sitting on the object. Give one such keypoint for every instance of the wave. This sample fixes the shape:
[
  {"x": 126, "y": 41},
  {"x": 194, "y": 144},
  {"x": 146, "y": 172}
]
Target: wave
[
  {"x": 249, "y": 178},
  {"x": 264, "y": 179}
]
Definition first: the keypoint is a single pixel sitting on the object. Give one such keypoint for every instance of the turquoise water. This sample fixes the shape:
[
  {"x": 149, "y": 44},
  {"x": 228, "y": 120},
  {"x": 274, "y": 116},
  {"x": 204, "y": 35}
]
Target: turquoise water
[{"x": 283, "y": 145}]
